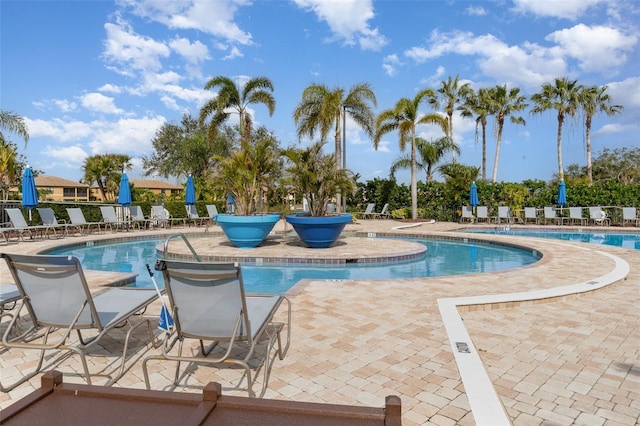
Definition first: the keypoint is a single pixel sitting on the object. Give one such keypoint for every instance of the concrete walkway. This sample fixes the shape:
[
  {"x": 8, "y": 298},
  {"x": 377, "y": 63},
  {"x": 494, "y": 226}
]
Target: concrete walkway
[{"x": 574, "y": 360}]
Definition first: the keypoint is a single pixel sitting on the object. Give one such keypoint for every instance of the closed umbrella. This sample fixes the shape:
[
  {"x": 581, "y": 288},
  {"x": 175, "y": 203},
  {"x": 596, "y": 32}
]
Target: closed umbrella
[
  {"x": 562, "y": 194},
  {"x": 473, "y": 195},
  {"x": 190, "y": 194},
  {"x": 29, "y": 191},
  {"x": 124, "y": 195}
]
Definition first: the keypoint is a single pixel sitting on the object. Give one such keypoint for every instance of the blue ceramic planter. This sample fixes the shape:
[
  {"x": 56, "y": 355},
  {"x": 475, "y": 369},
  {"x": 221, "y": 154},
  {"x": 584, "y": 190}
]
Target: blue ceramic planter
[
  {"x": 247, "y": 231},
  {"x": 319, "y": 231}
]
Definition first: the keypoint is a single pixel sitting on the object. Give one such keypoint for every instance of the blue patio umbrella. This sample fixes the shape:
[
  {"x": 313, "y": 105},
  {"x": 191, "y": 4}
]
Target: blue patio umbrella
[
  {"x": 29, "y": 191},
  {"x": 473, "y": 195},
  {"x": 562, "y": 194},
  {"x": 124, "y": 195},
  {"x": 190, "y": 193}
]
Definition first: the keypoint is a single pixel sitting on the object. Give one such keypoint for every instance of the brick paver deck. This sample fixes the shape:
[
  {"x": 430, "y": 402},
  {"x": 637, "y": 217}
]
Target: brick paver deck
[{"x": 574, "y": 361}]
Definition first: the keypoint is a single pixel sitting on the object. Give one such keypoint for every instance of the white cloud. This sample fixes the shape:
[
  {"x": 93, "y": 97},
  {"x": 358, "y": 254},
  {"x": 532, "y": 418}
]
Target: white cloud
[
  {"x": 193, "y": 52},
  {"x": 569, "y": 9},
  {"x": 476, "y": 11},
  {"x": 126, "y": 49},
  {"x": 348, "y": 21},
  {"x": 390, "y": 63},
  {"x": 131, "y": 135},
  {"x": 626, "y": 92},
  {"x": 110, "y": 88},
  {"x": 596, "y": 48},
  {"x": 210, "y": 17},
  {"x": 58, "y": 129},
  {"x": 99, "y": 103},
  {"x": 72, "y": 155}
]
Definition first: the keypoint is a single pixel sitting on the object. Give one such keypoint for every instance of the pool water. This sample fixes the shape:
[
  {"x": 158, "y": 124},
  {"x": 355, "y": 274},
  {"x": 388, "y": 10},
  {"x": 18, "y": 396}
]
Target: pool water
[
  {"x": 622, "y": 239},
  {"x": 441, "y": 258}
]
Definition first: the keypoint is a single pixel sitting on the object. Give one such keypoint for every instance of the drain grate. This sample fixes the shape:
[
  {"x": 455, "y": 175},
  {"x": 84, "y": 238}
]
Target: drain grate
[{"x": 463, "y": 348}]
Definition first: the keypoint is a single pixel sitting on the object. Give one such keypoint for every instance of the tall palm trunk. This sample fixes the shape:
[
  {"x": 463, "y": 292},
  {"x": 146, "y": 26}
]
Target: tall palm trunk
[
  {"x": 498, "y": 143},
  {"x": 453, "y": 152},
  {"x": 483, "y": 121},
  {"x": 338, "y": 158},
  {"x": 588, "y": 142},
  {"x": 559, "y": 142},
  {"x": 414, "y": 180}
]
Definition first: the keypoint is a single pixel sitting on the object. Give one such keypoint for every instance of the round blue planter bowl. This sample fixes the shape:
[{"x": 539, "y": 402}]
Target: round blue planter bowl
[
  {"x": 247, "y": 231},
  {"x": 319, "y": 231}
]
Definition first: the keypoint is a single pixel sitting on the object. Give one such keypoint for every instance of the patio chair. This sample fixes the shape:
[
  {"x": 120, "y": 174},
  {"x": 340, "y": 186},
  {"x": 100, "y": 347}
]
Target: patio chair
[
  {"x": 194, "y": 217},
  {"x": 55, "y": 294},
  {"x": 51, "y": 222},
  {"x": 212, "y": 210},
  {"x": 367, "y": 213},
  {"x": 575, "y": 216},
  {"x": 629, "y": 215},
  {"x": 530, "y": 214},
  {"x": 384, "y": 213},
  {"x": 79, "y": 222},
  {"x": 482, "y": 213},
  {"x": 208, "y": 303},
  {"x": 110, "y": 218},
  {"x": 137, "y": 218},
  {"x": 599, "y": 216},
  {"x": 160, "y": 217},
  {"x": 19, "y": 224},
  {"x": 550, "y": 215},
  {"x": 9, "y": 295},
  {"x": 504, "y": 214},
  {"x": 467, "y": 214}
]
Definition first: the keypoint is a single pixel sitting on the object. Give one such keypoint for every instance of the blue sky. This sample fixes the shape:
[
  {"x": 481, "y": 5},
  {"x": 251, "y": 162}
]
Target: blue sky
[{"x": 93, "y": 77}]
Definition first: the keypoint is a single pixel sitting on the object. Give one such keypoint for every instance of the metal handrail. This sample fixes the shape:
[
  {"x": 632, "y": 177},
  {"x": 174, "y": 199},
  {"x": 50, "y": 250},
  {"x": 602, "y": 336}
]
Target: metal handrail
[{"x": 186, "y": 241}]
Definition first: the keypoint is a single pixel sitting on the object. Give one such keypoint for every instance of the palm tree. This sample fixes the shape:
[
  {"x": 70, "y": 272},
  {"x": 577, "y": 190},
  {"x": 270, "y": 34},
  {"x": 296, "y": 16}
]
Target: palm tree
[
  {"x": 322, "y": 109},
  {"x": 479, "y": 104},
  {"x": 593, "y": 100},
  {"x": 13, "y": 123},
  {"x": 563, "y": 97},
  {"x": 504, "y": 103},
  {"x": 404, "y": 118},
  {"x": 429, "y": 152},
  {"x": 451, "y": 95},
  {"x": 106, "y": 170},
  {"x": 233, "y": 99}
]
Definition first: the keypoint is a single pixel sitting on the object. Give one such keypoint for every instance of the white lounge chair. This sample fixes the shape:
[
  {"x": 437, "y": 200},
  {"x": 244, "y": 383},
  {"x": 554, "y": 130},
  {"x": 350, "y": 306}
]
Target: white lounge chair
[
  {"x": 598, "y": 216},
  {"x": 630, "y": 215},
  {"x": 162, "y": 218},
  {"x": 575, "y": 216},
  {"x": 55, "y": 294},
  {"x": 194, "y": 217},
  {"x": 384, "y": 213},
  {"x": 208, "y": 303},
  {"x": 504, "y": 214},
  {"x": 110, "y": 218},
  {"x": 367, "y": 213},
  {"x": 482, "y": 213},
  {"x": 137, "y": 218},
  {"x": 467, "y": 214},
  {"x": 530, "y": 214},
  {"x": 550, "y": 215}
]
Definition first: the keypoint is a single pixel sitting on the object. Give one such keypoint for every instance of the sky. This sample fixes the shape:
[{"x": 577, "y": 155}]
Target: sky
[{"x": 94, "y": 77}]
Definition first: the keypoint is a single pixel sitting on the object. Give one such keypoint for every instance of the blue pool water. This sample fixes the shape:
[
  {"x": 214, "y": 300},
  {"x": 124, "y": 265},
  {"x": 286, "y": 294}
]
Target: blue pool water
[
  {"x": 621, "y": 239},
  {"x": 442, "y": 258}
]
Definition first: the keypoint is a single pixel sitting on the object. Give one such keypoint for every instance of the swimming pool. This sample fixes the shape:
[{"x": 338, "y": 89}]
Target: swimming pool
[
  {"x": 443, "y": 257},
  {"x": 617, "y": 239}
]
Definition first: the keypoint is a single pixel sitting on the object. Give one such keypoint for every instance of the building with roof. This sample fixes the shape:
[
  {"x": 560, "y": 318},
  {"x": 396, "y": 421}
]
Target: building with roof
[{"x": 53, "y": 188}]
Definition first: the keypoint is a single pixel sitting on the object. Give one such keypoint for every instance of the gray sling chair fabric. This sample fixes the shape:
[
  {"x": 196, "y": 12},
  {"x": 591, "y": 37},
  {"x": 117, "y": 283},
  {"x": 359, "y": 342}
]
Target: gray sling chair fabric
[
  {"x": 137, "y": 218},
  {"x": 9, "y": 295},
  {"x": 20, "y": 226},
  {"x": 208, "y": 303},
  {"x": 55, "y": 295},
  {"x": 79, "y": 222},
  {"x": 51, "y": 222}
]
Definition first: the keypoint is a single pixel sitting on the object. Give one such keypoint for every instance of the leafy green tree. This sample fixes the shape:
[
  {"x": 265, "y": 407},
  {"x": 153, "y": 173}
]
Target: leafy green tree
[
  {"x": 232, "y": 98},
  {"x": 479, "y": 104},
  {"x": 180, "y": 150},
  {"x": 106, "y": 170},
  {"x": 594, "y": 99},
  {"x": 12, "y": 122},
  {"x": 404, "y": 118},
  {"x": 504, "y": 103},
  {"x": 429, "y": 153},
  {"x": 563, "y": 97},
  {"x": 450, "y": 95},
  {"x": 621, "y": 165}
]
